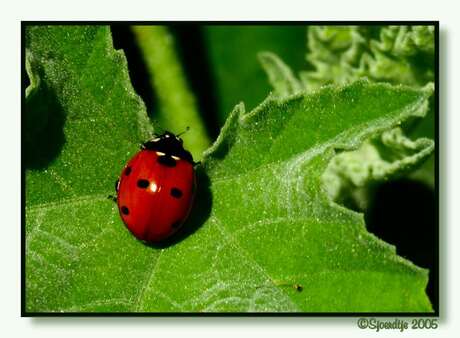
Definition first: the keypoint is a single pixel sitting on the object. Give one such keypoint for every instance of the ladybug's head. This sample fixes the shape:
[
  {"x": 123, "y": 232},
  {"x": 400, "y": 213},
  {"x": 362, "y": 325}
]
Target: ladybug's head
[
  {"x": 169, "y": 144},
  {"x": 170, "y": 137}
]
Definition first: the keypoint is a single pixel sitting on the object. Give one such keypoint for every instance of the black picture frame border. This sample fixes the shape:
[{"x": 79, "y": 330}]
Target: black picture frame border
[{"x": 25, "y": 313}]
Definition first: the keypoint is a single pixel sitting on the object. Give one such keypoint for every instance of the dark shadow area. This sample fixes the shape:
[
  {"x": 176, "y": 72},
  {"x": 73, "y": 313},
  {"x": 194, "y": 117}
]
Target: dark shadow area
[
  {"x": 403, "y": 213},
  {"x": 193, "y": 56},
  {"x": 25, "y": 80},
  {"x": 200, "y": 212},
  {"x": 43, "y": 123},
  {"x": 123, "y": 38}
]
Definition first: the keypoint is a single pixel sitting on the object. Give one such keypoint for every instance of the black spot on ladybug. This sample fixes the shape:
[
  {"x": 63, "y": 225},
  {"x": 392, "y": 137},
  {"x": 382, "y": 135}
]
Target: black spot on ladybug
[
  {"x": 176, "y": 193},
  {"x": 142, "y": 183},
  {"x": 124, "y": 210},
  {"x": 166, "y": 160},
  {"x": 176, "y": 224},
  {"x": 128, "y": 171}
]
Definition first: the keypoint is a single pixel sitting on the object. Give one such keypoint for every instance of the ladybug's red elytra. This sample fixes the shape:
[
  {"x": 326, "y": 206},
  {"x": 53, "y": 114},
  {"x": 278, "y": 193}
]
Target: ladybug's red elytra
[{"x": 156, "y": 188}]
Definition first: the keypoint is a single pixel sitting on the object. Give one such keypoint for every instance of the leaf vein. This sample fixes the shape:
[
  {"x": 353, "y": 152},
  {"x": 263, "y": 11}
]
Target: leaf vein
[
  {"x": 150, "y": 276},
  {"x": 226, "y": 234}
]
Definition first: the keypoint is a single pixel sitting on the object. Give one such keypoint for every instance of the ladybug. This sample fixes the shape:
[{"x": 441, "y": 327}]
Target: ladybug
[{"x": 156, "y": 188}]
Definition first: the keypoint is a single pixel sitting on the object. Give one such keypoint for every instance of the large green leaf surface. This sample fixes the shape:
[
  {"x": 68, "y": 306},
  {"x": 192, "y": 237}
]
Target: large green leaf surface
[{"x": 263, "y": 234}]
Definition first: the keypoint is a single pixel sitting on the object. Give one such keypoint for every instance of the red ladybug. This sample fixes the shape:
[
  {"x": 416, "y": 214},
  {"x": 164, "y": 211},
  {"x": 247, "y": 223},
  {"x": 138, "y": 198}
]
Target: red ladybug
[{"x": 156, "y": 189}]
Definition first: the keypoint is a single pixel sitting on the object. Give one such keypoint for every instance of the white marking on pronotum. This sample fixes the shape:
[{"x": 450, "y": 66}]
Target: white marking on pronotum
[
  {"x": 156, "y": 139},
  {"x": 177, "y": 158},
  {"x": 159, "y": 153},
  {"x": 166, "y": 135}
]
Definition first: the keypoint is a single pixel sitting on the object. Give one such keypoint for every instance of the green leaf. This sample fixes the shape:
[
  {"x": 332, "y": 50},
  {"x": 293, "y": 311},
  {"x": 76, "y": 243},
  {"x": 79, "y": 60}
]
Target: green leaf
[
  {"x": 82, "y": 116},
  {"x": 280, "y": 75},
  {"x": 335, "y": 53},
  {"x": 263, "y": 235},
  {"x": 387, "y": 157},
  {"x": 394, "y": 54}
]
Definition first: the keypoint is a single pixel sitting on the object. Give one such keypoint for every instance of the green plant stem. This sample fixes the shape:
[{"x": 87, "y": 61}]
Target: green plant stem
[{"x": 178, "y": 108}]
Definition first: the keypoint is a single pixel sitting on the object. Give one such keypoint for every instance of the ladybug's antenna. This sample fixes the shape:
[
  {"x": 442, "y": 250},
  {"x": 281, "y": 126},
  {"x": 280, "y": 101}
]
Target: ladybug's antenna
[{"x": 186, "y": 130}]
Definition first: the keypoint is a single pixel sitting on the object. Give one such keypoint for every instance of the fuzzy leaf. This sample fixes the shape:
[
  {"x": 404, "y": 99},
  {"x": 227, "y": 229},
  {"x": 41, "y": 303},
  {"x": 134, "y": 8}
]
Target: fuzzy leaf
[
  {"x": 335, "y": 53},
  {"x": 280, "y": 75},
  {"x": 263, "y": 235},
  {"x": 390, "y": 156},
  {"x": 82, "y": 116},
  {"x": 395, "y": 54}
]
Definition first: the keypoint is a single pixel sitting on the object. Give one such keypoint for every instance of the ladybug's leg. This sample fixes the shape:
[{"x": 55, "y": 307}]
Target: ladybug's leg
[{"x": 114, "y": 198}]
